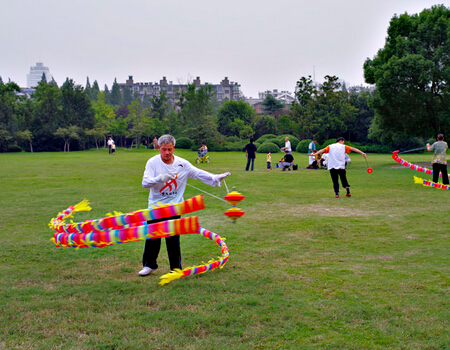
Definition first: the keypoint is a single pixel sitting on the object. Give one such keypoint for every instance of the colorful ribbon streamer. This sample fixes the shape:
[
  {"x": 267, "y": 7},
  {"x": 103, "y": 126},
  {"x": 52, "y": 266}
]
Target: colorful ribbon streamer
[
  {"x": 418, "y": 180},
  {"x": 211, "y": 265},
  {"x": 131, "y": 227},
  {"x": 412, "y": 166}
]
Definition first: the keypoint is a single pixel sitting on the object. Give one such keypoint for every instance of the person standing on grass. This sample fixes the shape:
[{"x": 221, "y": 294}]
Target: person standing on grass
[
  {"x": 287, "y": 145},
  {"x": 113, "y": 148},
  {"x": 166, "y": 176},
  {"x": 155, "y": 143},
  {"x": 269, "y": 161},
  {"x": 250, "y": 152},
  {"x": 439, "y": 161},
  {"x": 336, "y": 163},
  {"x": 110, "y": 142}
]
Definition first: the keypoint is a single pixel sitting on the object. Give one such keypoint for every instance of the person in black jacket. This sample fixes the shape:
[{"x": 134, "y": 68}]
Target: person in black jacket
[{"x": 250, "y": 151}]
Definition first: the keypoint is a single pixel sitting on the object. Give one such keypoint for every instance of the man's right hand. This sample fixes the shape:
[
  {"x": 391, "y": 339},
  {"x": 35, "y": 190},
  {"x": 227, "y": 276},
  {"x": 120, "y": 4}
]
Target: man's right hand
[{"x": 165, "y": 178}]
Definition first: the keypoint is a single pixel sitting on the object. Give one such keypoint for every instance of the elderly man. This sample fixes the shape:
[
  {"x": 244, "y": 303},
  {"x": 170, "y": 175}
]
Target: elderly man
[
  {"x": 166, "y": 176},
  {"x": 287, "y": 145}
]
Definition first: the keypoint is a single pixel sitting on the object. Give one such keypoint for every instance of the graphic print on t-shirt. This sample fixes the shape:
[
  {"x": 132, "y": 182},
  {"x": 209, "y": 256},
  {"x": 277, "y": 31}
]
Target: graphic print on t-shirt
[{"x": 170, "y": 183}]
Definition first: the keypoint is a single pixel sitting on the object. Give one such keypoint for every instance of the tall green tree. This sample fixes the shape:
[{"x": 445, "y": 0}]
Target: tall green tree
[
  {"x": 331, "y": 111},
  {"x": 8, "y": 120},
  {"x": 76, "y": 106},
  {"x": 271, "y": 104},
  {"x": 116, "y": 95},
  {"x": 264, "y": 124},
  {"x": 137, "y": 122},
  {"x": 324, "y": 112},
  {"x": 107, "y": 93},
  {"x": 358, "y": 129},
  {"x": 104, "y": 116},
  {"x": 88, "y": 88},
  {"x": 412, "y": 76},
  {"x": 95, "y": 90},
  {"x": 300, "y": 109},
  {"x": 231, "y": 111},
  {"x": 68, "y": 134},
  {"x": 26, "y": 135},
  {"x": 285, "y": 125},
  {"x": 127, "y": 96},
  {"x": 197, "y": 104},
  {"x": 43, "y": 78},
  {"x": 159, "y": 105},
  {"x": 145, "y": 101},
  {"x": 47, "y": 117}
]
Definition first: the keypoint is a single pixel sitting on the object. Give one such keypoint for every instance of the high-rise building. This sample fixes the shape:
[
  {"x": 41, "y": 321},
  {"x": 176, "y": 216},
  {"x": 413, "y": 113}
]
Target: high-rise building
[{"x": 35, "y": 75}]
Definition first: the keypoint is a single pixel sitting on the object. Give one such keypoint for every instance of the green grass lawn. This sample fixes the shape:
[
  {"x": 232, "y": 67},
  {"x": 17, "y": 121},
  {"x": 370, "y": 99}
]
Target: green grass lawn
[{"x": 306, "y": 270}]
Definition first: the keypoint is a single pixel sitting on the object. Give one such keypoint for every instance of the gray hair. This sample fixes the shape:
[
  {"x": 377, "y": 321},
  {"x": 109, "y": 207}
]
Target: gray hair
[{"x": 165, "y": 139}]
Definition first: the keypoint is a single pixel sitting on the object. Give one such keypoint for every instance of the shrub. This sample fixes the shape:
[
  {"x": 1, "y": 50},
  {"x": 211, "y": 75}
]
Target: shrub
[
  {"x": 266, "y": 137},
  {"x": 294, "y": 141},
  {"x": 214, "y": 147},
  {"x": 232, "y": 139},
  {"x": 267, "y": 147},
  {"x": 328, "y": 142},
  {"x": 14, "y": 148},
  {"x": 184, "y": 142},
  {"x": 302, "y": 146},
  {"x": 234, "y": 146},
  {"x": 276, "y": 141}
]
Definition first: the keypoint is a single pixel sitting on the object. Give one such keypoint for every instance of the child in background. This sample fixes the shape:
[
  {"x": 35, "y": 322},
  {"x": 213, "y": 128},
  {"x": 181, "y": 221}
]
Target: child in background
[
  {"x": 113, "y": 147},
  {"x": 269, "y": 161}
]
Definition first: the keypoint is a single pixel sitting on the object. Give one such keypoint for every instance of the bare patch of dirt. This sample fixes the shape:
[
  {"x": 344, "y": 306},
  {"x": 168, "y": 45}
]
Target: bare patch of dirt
[{"x": 323, "y": 210}]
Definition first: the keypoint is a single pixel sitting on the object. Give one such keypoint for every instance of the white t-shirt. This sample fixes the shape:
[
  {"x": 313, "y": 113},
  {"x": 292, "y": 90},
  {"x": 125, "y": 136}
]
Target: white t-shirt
[
  {"x": 110, "y": 142},
  {"x": 336, "y": 156},
  {"x": 287, "y": 146},
  {"x": 173, "y": 190}
]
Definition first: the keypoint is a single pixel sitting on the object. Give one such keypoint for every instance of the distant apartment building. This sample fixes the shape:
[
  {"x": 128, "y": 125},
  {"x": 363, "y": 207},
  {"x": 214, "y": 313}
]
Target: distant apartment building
[
  {"x": 35, "y": 75},
  {"x": 256, "y": 104},
  {"x": 285, "y": 97},
  {"x": 224, "y": 90},
  {"x": 359, "y": 88}
]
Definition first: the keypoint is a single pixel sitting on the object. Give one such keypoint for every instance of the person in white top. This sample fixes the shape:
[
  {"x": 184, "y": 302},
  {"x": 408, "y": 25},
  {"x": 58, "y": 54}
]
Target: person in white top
[
  {"x": 287, "y": 145},
  {"x": 166, "y": 176},
  {"x": 336, "y": 163},
  {"x": 110, "y": 142}
]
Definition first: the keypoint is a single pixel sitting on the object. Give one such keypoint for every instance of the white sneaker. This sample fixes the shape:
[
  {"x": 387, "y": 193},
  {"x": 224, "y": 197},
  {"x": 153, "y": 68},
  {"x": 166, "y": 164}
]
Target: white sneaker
[{"x": 146, "y": 271}]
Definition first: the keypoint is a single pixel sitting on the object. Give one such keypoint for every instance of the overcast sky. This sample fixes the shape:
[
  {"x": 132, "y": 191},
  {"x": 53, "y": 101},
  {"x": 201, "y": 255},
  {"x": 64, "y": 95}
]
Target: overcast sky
[{"x": 262, "y": 45}]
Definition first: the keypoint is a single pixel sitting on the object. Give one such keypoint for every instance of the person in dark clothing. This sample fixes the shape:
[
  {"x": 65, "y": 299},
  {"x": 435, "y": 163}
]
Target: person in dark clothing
[
  {"x": 250, "y": 152},
  {"x": 288, "y": 159}
]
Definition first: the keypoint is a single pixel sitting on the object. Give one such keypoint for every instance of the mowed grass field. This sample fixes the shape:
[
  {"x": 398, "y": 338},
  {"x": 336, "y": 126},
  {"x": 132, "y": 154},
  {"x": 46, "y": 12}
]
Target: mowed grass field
[{"x": 306, "y": 270}]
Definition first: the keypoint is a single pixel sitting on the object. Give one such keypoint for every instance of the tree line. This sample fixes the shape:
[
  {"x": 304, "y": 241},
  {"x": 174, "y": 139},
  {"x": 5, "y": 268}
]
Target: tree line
[
  {"x": 71, "y": 117},
  {"x": 410, "y": 103}
]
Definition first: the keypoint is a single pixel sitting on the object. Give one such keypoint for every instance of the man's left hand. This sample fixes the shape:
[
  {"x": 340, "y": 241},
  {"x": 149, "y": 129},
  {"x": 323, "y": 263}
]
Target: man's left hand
[{"x": 220, "y": 177}]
